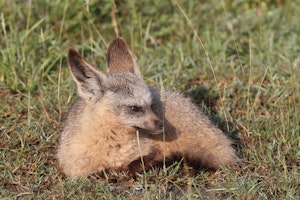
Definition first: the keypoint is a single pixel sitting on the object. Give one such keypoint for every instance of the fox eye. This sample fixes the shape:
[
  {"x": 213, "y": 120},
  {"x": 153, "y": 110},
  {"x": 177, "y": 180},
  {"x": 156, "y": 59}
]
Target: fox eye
[{"x": 135, "y": 108}]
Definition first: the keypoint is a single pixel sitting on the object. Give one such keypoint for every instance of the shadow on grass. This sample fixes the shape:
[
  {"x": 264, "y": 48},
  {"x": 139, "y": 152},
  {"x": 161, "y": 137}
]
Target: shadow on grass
[{"x": 208, "y": 101}]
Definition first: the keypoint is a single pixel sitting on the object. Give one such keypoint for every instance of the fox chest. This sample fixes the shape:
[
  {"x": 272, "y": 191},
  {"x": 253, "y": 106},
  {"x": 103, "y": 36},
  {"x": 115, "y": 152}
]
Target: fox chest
[{"x": 119, "y": 149}]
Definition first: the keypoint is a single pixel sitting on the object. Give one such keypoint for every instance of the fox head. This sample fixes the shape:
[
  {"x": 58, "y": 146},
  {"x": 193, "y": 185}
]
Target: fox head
[{"x": 122, "y": 89}]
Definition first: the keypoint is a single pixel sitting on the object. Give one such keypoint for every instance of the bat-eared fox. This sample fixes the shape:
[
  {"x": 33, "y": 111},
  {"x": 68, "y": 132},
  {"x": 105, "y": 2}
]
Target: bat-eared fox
[{"x": 118, "y": 120}]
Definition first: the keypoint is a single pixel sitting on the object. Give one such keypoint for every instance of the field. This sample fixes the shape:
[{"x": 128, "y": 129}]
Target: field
[{"x": 239, "y": 61}]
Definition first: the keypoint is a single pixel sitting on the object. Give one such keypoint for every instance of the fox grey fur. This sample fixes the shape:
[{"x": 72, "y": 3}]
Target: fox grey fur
[{"x": 118, "y": 119}]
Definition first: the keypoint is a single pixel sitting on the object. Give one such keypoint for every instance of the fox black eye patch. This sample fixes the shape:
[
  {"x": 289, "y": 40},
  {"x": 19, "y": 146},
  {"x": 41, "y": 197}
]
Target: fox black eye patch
[{"x": 135, "y": 108}]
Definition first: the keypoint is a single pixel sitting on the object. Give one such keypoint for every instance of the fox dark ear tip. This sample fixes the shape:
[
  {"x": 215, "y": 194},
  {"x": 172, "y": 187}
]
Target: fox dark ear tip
[
  {"x": 71, "y": 50},
  {"x": 73, "y": 53},
  {"x": 119, "y": 40}
]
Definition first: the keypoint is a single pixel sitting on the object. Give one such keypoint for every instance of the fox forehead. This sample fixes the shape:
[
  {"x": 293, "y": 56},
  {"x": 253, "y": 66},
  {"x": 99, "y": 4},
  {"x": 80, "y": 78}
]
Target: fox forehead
[{"x": 130, "y": 89}]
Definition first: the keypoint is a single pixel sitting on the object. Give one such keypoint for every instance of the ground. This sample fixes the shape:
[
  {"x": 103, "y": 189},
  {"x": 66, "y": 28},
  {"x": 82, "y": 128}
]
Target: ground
[{"x": 237, "y": 60}]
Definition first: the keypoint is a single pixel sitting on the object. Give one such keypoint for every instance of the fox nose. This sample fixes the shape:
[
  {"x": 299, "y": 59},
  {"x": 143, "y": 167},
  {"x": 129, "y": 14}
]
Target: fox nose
[{"x": 159, "y": 124}]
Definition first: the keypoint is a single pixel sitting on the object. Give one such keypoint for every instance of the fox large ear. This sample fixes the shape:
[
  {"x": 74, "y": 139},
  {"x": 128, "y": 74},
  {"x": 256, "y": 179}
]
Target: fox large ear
[
  {"x": 119, "y": 58},
  {"x": 90, "y": 82}
]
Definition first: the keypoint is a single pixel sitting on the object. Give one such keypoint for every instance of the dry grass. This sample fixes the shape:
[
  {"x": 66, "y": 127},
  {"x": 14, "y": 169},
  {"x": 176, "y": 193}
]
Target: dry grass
[{"x": 245, "y": 75}]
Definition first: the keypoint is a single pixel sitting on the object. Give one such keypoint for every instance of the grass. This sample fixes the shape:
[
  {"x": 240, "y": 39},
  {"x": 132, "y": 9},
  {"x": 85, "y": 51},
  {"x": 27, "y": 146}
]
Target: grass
[{"x": 245, "y": 73}]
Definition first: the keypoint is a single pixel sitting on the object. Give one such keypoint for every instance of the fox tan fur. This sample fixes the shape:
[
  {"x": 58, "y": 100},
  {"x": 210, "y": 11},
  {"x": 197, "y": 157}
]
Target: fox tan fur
[{"x": 118, "y": 119}]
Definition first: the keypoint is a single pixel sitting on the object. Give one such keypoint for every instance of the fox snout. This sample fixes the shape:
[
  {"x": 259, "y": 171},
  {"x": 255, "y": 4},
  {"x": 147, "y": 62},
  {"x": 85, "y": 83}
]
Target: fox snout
[
  {"x": 155, "y": 126},
  {"x": 151, "y": 124},
  {"x": 159, "y": 124}
]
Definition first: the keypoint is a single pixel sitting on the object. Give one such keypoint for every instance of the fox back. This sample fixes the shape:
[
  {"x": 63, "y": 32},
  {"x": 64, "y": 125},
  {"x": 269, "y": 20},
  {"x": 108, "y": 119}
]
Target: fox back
[{"x": 118, "y": 119}]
